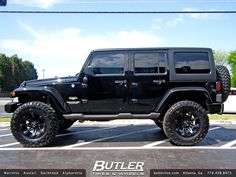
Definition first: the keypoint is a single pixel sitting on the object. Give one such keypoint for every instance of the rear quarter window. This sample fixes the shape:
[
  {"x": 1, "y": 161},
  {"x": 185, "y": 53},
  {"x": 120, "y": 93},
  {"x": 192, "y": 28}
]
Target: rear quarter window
[{"x": 191, "y": 62}]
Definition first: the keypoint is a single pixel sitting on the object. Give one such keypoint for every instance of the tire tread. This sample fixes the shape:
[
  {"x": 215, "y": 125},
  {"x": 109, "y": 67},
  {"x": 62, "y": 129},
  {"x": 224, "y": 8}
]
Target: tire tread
[
  {"x": 169, "y": 119},
  {"x": 51, "y": 117},
  {"x": 223, "y": 75}
]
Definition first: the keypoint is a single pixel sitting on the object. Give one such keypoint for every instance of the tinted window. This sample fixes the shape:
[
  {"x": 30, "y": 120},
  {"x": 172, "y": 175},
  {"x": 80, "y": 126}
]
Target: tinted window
[
  {"x": 192, "y": 62},
  {"x": 149, "y": 62},
  {"x": 108, "y": 63}
]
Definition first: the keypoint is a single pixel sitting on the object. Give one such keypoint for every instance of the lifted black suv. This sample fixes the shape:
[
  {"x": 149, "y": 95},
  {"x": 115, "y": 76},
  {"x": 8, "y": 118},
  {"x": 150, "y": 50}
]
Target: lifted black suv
[{"x": 175, "y": 87}]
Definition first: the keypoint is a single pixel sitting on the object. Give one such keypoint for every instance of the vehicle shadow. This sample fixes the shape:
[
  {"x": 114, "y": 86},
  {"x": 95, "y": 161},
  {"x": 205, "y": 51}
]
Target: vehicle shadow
[
  {"x": 132, "y": 135},
  {"x": 106, "y": 134}
]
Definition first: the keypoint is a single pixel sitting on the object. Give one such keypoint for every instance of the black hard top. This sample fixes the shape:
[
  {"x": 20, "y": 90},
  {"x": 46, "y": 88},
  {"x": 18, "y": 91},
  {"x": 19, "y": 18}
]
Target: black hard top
[{"x": 152, "y": 48}]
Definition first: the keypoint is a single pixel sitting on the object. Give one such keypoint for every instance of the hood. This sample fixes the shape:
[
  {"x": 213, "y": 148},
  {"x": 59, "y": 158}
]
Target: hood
[{"x": 48, "y": 82}]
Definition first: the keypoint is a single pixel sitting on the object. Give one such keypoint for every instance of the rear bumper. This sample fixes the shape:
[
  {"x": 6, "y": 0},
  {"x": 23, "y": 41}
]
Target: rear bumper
[
  {"x": 215, "y": 108},
  {"x": 11, "y": 107}
]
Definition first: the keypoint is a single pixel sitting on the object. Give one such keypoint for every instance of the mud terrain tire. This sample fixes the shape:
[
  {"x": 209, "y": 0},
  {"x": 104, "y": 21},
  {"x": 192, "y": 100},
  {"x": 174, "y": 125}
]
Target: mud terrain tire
[
  {"x": 34, "y": 124},
  {"x": 186, "y": 123},
  {"x": 224, "y": 77}
]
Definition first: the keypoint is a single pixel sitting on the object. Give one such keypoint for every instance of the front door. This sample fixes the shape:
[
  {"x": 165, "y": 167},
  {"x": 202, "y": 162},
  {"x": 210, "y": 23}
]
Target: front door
[
  {"x": 106, "y": 82},
  {"x": 149, "y": 81}
]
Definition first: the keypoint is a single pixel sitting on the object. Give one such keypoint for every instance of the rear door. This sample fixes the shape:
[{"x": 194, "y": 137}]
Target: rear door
[{"x": 149, "y": 80}]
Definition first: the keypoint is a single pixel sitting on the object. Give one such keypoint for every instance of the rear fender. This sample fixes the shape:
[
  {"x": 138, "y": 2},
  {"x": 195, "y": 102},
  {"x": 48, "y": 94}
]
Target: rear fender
[{"x": 184, "y": 93}]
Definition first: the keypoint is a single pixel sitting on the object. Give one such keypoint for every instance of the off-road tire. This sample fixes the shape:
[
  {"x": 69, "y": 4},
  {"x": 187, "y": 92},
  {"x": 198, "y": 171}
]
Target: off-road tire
[
  {"x": 173, "y": 114},
  {"x": 65, "y": 123},
  {"x": 223, "y": 76},
  {"x": 38, "y": 111}
]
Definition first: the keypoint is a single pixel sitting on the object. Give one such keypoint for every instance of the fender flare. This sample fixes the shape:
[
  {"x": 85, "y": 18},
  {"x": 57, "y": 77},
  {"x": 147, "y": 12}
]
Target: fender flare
[
  {"x": 174, "y": 91},
  {"x": 51, "y": 92}
]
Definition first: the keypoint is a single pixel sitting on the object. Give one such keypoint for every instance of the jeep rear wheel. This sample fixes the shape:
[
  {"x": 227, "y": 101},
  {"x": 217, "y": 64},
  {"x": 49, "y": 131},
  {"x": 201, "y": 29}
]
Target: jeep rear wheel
[
  {"x": 224, "y": 77},
  {"x": 34, "y": 124},
  {"x": 186, "y": 123}
]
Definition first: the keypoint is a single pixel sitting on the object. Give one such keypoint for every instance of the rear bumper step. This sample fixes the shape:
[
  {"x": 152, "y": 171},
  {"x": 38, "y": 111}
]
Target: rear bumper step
[
  {"x": 215, "y": 108},
  {"x": 111, "y": 116}
]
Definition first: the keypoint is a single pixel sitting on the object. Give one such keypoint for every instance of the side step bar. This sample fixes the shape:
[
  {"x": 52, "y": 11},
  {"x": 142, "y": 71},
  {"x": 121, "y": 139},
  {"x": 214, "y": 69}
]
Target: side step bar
[{"x": 153, "y": 115}]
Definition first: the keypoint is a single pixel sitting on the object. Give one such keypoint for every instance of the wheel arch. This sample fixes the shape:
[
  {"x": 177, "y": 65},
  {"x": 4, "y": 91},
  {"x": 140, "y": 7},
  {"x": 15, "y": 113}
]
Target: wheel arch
[
  {"x": 197, "y": 94},
  {"x": 46, "y": 95}
]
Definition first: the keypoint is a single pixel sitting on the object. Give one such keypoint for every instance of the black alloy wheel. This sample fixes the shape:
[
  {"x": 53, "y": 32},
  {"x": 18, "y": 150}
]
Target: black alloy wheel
[
  {"x": 32, "y": 124},
  {"x": 187, "y": 124}
]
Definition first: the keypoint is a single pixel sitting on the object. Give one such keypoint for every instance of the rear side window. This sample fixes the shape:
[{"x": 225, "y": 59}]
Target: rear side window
[
  {"x": 108, "y": 63},
  {"x": 154, "y": 62},
  {"x": 191, "y": 62}
]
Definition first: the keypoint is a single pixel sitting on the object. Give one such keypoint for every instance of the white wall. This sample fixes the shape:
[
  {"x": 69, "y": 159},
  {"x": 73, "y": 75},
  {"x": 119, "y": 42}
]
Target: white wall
[{"x": 230, "y": 104}]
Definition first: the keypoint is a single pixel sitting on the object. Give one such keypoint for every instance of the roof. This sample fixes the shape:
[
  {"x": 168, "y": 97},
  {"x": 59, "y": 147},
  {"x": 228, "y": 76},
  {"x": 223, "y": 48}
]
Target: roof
[{"x": 152, "y": 48}]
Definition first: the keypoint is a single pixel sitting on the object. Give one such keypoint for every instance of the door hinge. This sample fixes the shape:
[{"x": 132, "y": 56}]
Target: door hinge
[
  {"x": 134, "y": 101},
  {"x": 84, "y": 101},
  {"x": 84, "y": 85}
]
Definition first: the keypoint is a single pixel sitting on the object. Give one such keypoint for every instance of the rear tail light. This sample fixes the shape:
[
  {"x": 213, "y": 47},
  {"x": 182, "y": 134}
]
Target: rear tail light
[{"x": 218, "y": 87}]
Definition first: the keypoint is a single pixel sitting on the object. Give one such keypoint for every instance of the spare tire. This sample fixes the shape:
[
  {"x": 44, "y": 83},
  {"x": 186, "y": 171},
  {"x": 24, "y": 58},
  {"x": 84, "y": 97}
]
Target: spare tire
[{"x": 224, "y": 77}]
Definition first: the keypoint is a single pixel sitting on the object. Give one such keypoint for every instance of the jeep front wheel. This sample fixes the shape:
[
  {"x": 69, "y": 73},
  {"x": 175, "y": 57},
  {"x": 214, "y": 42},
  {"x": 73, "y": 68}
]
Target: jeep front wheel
[
  {"x": 34, "y": 124},
  {"x": 186, "y": 123}
]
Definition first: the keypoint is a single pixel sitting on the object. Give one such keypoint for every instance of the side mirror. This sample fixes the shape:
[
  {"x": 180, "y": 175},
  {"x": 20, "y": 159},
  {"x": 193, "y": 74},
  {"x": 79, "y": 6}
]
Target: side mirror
[
  {"x": 85, "y": 79},
  {"x": 89, "y": 71}
]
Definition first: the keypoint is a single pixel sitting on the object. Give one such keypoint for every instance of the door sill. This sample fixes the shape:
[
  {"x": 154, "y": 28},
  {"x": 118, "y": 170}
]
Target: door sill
[{"x": 153, "y": 115}]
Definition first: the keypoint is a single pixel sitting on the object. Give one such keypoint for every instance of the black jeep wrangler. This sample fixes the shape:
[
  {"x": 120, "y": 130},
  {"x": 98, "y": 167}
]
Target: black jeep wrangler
[{"x": 175, "y": 87}]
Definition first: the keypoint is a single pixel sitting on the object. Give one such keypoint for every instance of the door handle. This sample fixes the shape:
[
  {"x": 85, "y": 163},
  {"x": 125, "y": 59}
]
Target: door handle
[
  {"x": 159, "y": 81},
  {"x": 120, "y": 82}
]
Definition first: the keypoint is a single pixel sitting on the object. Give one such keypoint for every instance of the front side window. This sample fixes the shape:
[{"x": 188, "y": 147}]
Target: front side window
[
  {"x": 108, "y": 63},
  {"x": 191, "y": 62},
  {"x": 150, "y": 62}
]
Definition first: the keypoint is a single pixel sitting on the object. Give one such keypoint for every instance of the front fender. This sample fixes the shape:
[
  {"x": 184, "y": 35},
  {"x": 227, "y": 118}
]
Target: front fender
[{"x": 51, "y": 92}]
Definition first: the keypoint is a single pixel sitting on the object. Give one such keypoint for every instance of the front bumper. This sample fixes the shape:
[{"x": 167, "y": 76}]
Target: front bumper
[
  {"x": 11, "y": 107},
  {"x": 215, "y": 108}
]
